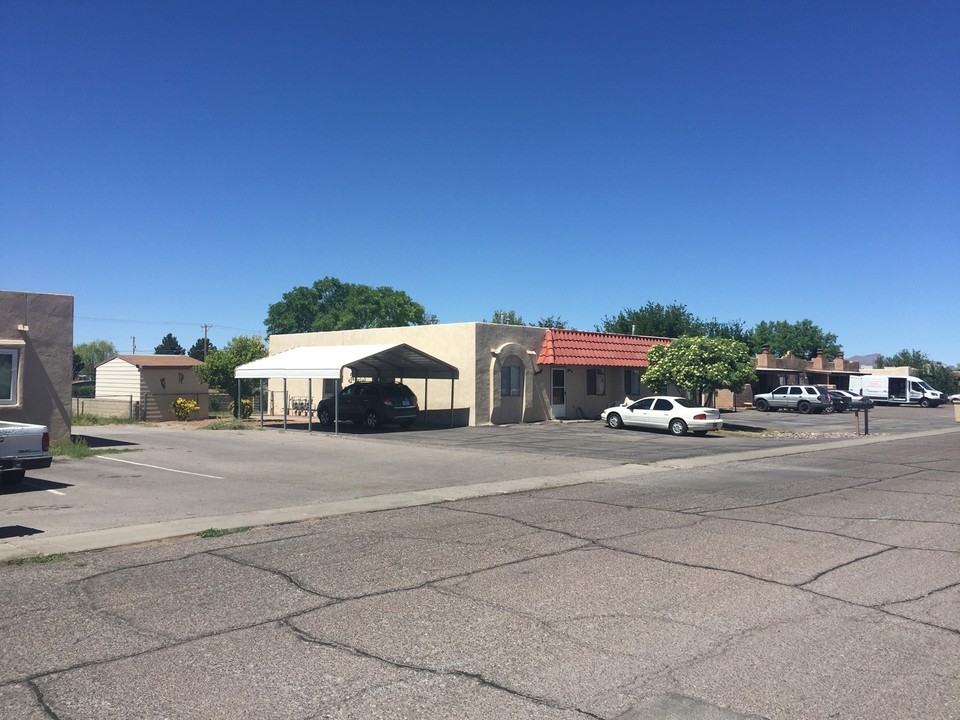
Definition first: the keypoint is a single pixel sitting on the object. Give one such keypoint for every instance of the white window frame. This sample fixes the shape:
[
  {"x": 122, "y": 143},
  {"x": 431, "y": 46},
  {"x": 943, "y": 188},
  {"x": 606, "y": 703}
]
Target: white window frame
[{"x": 14, "y": 396}]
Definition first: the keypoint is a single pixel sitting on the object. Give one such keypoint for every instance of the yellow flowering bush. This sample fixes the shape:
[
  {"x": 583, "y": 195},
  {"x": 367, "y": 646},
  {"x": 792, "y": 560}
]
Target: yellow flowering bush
[{"x": 183, "y": 409}]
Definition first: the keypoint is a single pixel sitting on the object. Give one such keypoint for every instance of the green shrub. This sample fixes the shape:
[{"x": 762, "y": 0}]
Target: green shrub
[{"x": 246, "y": 408}]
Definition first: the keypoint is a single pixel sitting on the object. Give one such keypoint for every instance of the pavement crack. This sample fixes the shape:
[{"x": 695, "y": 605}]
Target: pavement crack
[
  {"x": 41, "y": 700},
  {"x": 441, "y": 670},
  {"x": 855, "y": 560},
  {"x": 279, "y": 573}
]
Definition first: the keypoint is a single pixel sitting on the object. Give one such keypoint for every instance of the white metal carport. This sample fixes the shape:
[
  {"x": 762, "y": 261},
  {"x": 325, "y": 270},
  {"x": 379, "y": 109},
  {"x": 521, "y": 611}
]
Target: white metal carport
[{"x": 373, "y": 361}]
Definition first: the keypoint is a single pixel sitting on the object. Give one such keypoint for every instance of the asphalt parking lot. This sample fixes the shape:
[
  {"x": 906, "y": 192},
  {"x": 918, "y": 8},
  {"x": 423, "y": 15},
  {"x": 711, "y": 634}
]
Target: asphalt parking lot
[
  {"x": 174, "y": 480},
  {"x": 813, "y": 580}
]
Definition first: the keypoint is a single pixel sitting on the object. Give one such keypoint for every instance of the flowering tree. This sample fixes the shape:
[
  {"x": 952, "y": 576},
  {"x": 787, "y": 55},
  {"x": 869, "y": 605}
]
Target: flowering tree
[{"x": 700, "y": 365}]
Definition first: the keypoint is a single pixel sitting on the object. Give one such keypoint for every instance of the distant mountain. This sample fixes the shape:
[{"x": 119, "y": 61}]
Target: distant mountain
[{"x": 870, "y": 359}]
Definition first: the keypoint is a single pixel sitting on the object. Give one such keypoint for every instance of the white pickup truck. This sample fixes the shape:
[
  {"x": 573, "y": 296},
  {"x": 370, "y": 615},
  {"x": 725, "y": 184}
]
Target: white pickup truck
[{"x": 22, "y": 447}]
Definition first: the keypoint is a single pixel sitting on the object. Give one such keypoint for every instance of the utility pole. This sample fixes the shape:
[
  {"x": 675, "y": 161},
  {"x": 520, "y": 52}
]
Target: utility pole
[
  {"x": 205, "y": 342},
  {"x": 134, "y": 339}
]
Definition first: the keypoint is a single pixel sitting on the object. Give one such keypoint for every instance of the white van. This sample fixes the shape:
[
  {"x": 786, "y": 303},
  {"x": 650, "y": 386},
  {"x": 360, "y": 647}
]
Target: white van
[{"x": 896, "y": 390}]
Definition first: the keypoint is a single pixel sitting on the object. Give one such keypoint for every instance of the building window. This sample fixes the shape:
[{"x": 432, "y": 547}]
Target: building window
[
  {"x": 596, "y": 381},
  {"x": 9, "y": 368},
  {"x": 510, "y": 381},
  {"x": 631, "y": 382}
]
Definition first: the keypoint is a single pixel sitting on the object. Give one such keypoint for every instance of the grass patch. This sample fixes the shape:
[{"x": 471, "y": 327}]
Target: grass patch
[
  {"x": 78, "y": 449},
  {"x": 220, "y": 532},
  {"x": 41, "y": 559},
  {"x": 87, "y": 419},
  {"x": 230, "y": 423}
]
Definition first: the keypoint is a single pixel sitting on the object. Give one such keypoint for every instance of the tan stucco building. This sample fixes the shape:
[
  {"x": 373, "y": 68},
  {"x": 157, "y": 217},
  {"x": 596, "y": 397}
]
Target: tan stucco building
[
  {"x": 507, "y": 373},
  {"x": 36, "y": 360}
]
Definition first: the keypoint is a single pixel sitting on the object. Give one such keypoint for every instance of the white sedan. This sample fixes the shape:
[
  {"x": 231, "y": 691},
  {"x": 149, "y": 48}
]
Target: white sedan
[
  {"x": 675, "y": 414},
  {"x": 954, "y": 398}
]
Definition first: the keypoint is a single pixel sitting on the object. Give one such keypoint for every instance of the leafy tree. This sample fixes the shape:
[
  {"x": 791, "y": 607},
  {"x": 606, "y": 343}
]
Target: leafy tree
[
  {"x": 77, "y": 364},
  {"x": 506, "y": 317},
  {"x": 700, "y": 365},
  {"x": 552, "y": 322},
  {"x": 653, "y": 320},
  {"x": 330, "y": 304},
  {"x": 937, "y": 374},
  {"x": 93, "y": 353},
  {"x": 169, "y": 346},
  {"x": 201, "y": 348},
  {"x": 802, "y": 338},
  {"x": 218, "y": 369}
]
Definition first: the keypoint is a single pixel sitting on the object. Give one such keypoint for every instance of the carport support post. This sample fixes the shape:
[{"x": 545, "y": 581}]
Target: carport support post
[
  {"x": 261, "y": 403},
  {"x": 426, "y": 398},
  {"x": 284, "y": 403},
  {"x": 237, "y": 407},
  {"x": 309, "y": 404},
  {"x": 452, "y": 381}
]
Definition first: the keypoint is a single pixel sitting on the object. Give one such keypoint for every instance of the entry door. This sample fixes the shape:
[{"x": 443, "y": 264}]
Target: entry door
[{"x": 558, "y": 393}]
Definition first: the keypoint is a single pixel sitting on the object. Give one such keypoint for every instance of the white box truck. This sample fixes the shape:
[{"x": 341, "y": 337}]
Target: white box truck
[{"x": 896, "y": 390}]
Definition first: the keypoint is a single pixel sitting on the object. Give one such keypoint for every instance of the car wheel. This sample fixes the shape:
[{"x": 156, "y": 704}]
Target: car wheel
[
  {"x": 678, "y": 427},
  {"x": 372, "y": 420},
  {"x": 829, "y": 409},
  {"x": 614, "y": 421},
  {"x": 324, "y": 416},
  {"x": 804, "y": 406},
  {"x": 924, "y": 403},
  {"x": 762, "y": 405}
]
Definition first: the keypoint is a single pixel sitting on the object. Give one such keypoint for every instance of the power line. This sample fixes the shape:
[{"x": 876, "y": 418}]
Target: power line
[{"x": 161, "y": 322}]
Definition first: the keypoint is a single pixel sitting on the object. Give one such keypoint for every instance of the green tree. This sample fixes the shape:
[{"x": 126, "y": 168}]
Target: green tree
[
  {"x": 653, "y": 320},
  {"x": 700, "y": 365},
  {"x": 201, "y": 348},
  {"x": 552, "y": 322},
  {"x": 77, "y": 364},
  {"x": 330, "y": 304},
  {"x": 802, "y": 338},
  {"x": 506, "y": 317},
  {"x": 169, "y": 346},
  {"x": 93, "y": 353},
  {"x": 218, "y": 369}
]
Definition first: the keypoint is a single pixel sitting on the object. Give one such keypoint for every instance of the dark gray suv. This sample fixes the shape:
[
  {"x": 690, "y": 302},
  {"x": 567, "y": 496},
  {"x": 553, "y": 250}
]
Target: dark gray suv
[
  {"x": 803, "y": 398},
  {"x": 371, "y": 404}
]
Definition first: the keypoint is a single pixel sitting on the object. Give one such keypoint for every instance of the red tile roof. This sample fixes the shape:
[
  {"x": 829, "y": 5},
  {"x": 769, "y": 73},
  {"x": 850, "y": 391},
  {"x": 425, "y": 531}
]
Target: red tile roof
[{"x": 573, "y": 347}]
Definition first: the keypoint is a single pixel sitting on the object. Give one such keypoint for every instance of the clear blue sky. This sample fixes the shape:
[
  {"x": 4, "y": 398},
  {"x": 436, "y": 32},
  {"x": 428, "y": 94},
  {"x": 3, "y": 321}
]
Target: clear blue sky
[{"x": 178, "y": 163}]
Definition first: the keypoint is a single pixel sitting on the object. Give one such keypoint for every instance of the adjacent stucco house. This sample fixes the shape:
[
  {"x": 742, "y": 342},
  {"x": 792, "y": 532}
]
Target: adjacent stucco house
[
  {"x": 36, "y": 359},
  {"x": 507, "y": 373},
  {"x": 149, "y": 384}
]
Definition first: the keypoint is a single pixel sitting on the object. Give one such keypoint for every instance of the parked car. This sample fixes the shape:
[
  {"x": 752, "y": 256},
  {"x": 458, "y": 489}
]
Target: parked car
[
  {"x": 803, "y": 398},
  {"x": 954, "y": 398},
  {"x": 675, "y": 414},
  {"x": 839, "y": 402},
  {"x": 857, "y": 402},
  {"x": 371, "y": 404}
]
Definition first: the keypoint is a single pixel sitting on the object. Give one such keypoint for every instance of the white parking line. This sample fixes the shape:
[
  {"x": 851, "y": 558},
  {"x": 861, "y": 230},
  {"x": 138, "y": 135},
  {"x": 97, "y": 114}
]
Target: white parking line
[{"x": 158, "y": 467}]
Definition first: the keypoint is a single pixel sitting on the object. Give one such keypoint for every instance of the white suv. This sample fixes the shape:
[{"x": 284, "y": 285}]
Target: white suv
[{"x": 804, "y": 398}]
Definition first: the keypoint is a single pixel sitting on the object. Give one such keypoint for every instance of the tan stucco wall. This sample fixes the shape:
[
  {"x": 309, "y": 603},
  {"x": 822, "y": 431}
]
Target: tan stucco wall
[
  {"x": 46, "y": 365},
  {"x": 160, "y": 387},
  {"x": 470, "y": 347}
]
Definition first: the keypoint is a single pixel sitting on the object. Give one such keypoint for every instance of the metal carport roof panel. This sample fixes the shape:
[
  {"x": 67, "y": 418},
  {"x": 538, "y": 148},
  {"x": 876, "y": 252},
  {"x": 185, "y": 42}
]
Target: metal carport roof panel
[{"x": 402, "y": 361}]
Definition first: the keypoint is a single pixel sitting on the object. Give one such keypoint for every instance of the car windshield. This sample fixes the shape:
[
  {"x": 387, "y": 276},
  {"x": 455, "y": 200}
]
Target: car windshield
[
  {"x": 925, "y": 386},
  {"x": 686, "y": 403}
]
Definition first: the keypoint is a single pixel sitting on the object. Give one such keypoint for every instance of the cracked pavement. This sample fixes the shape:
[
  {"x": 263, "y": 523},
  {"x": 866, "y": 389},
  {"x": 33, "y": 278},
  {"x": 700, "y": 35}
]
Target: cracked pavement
[{"x": 812, "y": 585}]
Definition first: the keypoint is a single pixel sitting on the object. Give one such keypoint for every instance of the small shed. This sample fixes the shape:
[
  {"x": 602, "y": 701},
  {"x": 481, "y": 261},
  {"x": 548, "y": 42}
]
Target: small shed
[{"x": 150, "y": 384}]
